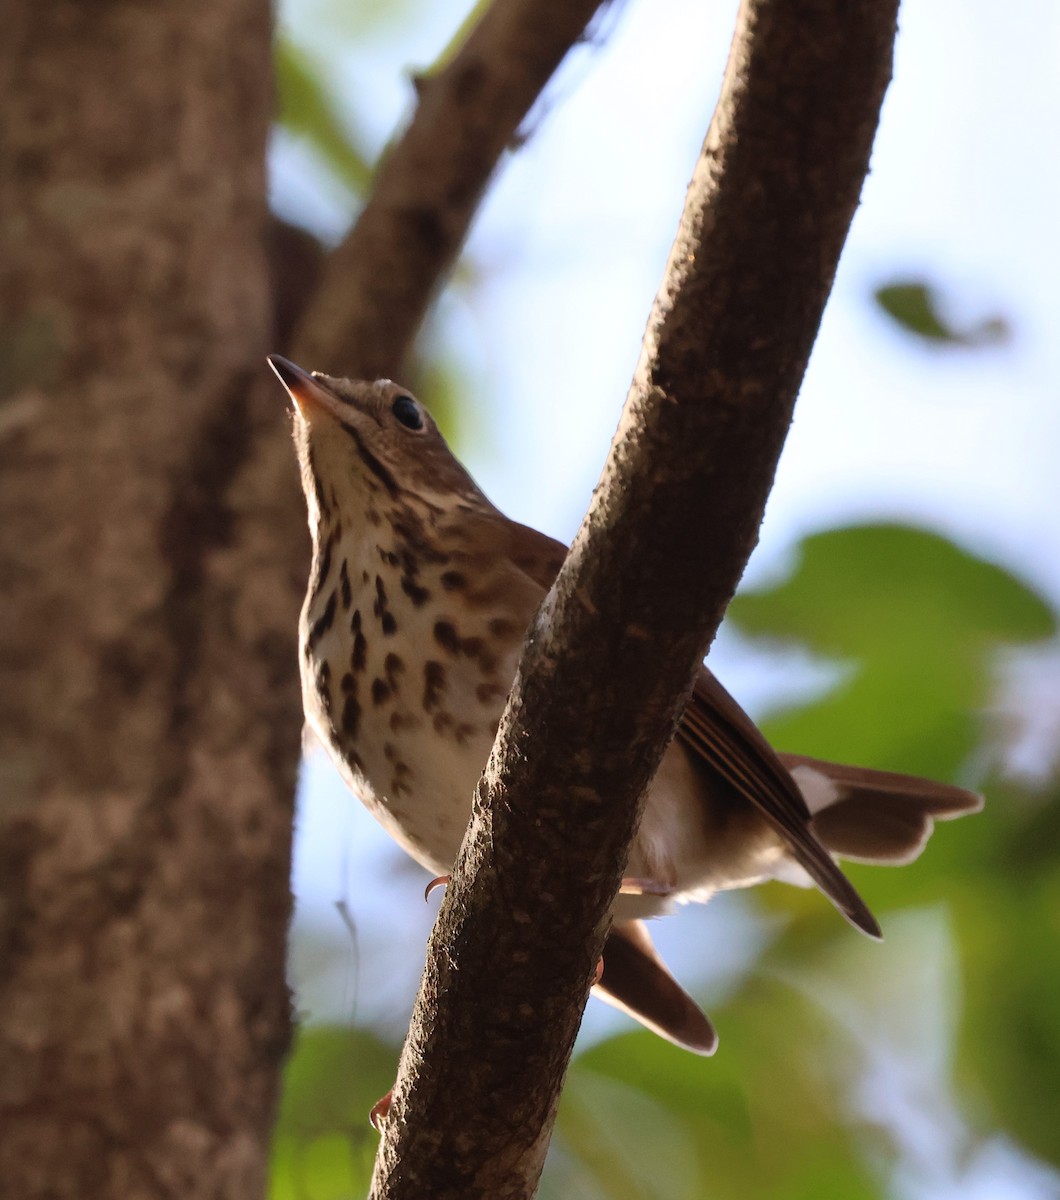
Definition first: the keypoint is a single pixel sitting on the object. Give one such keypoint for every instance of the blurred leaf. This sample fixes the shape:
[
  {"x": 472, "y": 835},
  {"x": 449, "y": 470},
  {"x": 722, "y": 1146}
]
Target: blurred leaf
[
  {"x": 1008, "y": 914},
  {"x": 627, "y": 1141},
  {"x": 918, "y": 623},
  {"x": 683, "y": 1083},
  {"x": 721, "y": 1127},
  {"x": 307, "y": 110},
  {"x": 915, "y": 307},
  {"x": 917, "y": 620},
  {"x": 323, "y": 1147}
]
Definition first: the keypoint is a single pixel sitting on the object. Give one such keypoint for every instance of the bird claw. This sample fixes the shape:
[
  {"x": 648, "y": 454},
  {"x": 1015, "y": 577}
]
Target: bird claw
[
  {"x": 437, "y": 882},
  {"x": 380, "y": 1111}
]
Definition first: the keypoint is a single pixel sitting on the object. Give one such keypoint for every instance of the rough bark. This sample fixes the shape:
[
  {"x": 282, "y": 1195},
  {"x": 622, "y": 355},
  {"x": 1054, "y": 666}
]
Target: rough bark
[
  {"x": 149, "y": 723},
  {"x": 379, "y": 282},
  {"x": 656, "y": 560}
]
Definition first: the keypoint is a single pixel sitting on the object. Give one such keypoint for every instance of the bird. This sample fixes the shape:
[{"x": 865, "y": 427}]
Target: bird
[{"x": 420, "y": 592}]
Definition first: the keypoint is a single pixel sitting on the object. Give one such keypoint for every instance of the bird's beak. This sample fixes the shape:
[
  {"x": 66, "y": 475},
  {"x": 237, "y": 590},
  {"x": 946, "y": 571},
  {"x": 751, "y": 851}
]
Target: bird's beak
[{"x": 309, "y": 395}]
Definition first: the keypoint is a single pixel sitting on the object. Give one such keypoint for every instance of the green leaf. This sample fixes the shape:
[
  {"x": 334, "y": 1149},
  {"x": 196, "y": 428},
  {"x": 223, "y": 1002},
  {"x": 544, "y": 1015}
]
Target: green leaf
[
  {"x": 916, "y": 621},
  {"x": 1007, "y": 908},
  {"x": 915, "y": 307},
  {"x": 626, "y": 1141},
  {"x": 323, "y": 1147},
  {"x": 308, "y": 110},
  {"x": 645, "y": 1119}
]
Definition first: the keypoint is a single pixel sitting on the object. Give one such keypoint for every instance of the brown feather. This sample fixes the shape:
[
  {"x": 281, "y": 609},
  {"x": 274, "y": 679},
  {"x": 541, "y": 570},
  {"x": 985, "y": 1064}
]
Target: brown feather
[
  {"x": 717, "y": 729},
  {"x": 636, "y": 980},
  {"x": 881, "y": 816},
  {"x": 727, "y": 741}
]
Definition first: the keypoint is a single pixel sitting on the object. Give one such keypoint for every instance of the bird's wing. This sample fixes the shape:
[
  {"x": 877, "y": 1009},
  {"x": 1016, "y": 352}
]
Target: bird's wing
[
  {"x": 636, "y": 980},
  {"x": 534, "y": 553},
  {"x": 717, "y": 730}
]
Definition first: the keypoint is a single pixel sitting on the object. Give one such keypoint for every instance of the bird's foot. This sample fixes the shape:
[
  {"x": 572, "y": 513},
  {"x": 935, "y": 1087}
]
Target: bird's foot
[
  {"x": 437, "y": 882},
  {"x": 380, "y": 1111}
]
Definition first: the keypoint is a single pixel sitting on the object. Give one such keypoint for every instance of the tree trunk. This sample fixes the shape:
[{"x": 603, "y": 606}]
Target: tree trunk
[{"x": 148, "y": 713}]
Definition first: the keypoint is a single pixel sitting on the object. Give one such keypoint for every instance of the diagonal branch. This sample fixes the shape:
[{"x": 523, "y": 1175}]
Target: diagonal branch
[
  {"x": 380, "y": 281},
  {"x": 637, "y": 602}
]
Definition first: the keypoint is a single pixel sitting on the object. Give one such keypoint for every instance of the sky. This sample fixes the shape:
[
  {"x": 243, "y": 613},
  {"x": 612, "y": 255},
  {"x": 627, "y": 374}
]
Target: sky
[{"x": 569, "y": 249}]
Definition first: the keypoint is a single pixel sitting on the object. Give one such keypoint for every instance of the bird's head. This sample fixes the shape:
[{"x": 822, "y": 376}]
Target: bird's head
[{"x": 369, "y": 446}]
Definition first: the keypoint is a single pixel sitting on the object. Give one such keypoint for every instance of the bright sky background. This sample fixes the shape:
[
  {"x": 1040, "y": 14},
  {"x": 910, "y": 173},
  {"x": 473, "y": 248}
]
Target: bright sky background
[{"x": 964, "y": 193}]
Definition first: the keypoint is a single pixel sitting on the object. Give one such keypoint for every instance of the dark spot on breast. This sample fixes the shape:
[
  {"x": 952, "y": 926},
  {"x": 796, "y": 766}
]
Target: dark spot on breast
[
  {"x": 474, "y": 648},
  {"x": 323, "y": 623},
  {"x": 380, "y": 691},
  {"x": 485, "y": 693},
  {"x": 325, "y": 559},
  {"x": 355, "y": 621},
  {"x": 446, "y": 636},
  {"x": 388, "y": 556},
  {"x": 433, "y": 684},
  {"x": 499, "y": 627},
  {"x": 417, "y": 594},
  {"x": 393, "y": 666},
  {"x": 323, "y": 680},
  {"x": 453, "y": 581},
  {"x": 360, "y": 652},
  {"x": 381, "y": 610},
  {"x": 348, "y": 682},
  {"x": 442, "y": 722},
  {"x": 344, "y": 585},
  {"x": 462, "y": 732},
  {"x": 351, "y": 718},
  {"x": 402, "y": 720}
]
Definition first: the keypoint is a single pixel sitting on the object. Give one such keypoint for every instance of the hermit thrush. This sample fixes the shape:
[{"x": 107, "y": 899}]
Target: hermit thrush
[{"x": 419, "y": 596}]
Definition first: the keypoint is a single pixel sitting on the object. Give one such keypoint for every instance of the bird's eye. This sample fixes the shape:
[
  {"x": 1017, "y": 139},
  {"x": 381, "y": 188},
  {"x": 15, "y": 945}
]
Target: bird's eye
[{"x": 407, "y": 412}]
